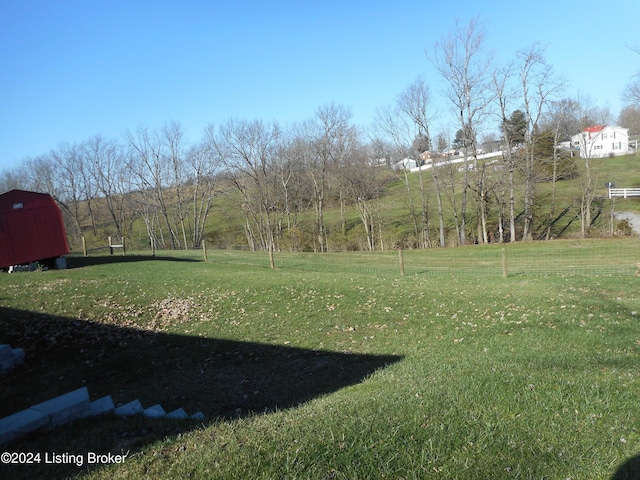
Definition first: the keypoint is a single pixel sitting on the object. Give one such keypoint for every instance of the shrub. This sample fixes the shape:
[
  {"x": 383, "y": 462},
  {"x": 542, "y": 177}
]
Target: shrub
[{"x": 623, "y": 228}]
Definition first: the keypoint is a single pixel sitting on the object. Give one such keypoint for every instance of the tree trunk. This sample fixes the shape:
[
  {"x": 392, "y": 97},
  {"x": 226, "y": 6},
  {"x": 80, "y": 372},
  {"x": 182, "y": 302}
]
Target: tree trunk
[{"x": 436, "y": 183}]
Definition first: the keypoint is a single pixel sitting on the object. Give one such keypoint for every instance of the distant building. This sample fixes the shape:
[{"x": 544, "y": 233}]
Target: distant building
[
  {"x": 426, "y": 156},
  {"x": 378, "y": 162},
  {"x": 601, "y": 141},
  {"x": 405, "y": 164}
]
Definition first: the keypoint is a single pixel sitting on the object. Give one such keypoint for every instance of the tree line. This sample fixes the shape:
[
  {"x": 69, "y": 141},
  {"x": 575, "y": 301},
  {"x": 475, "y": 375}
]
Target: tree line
[{"x": 279, "y": 177}]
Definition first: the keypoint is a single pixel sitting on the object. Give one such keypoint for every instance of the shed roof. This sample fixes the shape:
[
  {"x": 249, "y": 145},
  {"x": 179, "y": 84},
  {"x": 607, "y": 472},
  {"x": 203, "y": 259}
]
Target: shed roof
[{"x": 10, "y": 200}]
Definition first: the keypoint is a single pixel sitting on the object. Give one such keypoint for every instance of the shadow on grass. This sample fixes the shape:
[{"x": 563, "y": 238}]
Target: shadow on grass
[
  {"x": 224, "y": 379},
  {"x": 80, "y": 262},
  {"x": 630, "y": 470}
]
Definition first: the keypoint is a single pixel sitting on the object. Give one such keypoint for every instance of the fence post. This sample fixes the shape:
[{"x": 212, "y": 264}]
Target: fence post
[
  {"x": 272, "y": 263},
  {"x": 124, "y": 248},
  {"x": 401, "y": 257},
  {"x": 84, "y": 246},
  {"x": 110, "y": 247},
  {"x": 504, "y": 263}
]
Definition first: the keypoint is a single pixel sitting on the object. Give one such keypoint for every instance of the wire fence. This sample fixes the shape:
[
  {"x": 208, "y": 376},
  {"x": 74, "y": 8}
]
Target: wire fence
[{"x": 593, "y": 257}]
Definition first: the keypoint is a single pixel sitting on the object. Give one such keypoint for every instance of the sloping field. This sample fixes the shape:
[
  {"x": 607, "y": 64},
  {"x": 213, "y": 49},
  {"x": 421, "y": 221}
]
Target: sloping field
[{"x": 337, "y": 366}]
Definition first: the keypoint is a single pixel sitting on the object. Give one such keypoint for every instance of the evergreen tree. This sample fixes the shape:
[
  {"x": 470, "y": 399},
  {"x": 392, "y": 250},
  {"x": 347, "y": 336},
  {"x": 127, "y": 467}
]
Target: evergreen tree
[{"x": 517, "y": 127}]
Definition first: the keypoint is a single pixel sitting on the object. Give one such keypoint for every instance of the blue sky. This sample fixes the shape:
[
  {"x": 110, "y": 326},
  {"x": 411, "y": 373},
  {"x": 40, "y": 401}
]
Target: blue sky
[{"x": 72, "y": 69}]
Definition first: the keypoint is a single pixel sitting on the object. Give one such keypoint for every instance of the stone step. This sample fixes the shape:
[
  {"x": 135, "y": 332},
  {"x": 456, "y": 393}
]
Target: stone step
[
  {"x": 177, "y": 414},
  {"x": 21, "y": 423},
  {"x": 155, "y": 411},
  {"x": 10, "y": 357},
  {"x": 128, "y": 409},
  {"x": 66, "y": 407},
  {"x": 74, "y": 405},
  {"x": 100, "y": 406},
  {"x": 5, "y": 352},
  {"x": 18, "y": 354}
]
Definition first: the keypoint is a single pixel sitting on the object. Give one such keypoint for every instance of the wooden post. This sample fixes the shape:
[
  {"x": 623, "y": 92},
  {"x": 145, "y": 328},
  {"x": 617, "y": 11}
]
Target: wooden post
[
  {"x": 504, "y": 263},
  {"x": 110, "y": 247},
  {"x": 613, "y": 218},
  {"x": 401, "y": 255},
  {"x": 272, "y": 263},
  {"x": 124, "y": 248},
  {"x": 84, "y": 246},
  {"x": 204, "y": 250}
]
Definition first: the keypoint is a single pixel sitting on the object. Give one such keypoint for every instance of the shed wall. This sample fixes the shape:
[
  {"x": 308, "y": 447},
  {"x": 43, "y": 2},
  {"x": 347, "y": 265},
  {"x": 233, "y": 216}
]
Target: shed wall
[{"x": 31, "y": 228}]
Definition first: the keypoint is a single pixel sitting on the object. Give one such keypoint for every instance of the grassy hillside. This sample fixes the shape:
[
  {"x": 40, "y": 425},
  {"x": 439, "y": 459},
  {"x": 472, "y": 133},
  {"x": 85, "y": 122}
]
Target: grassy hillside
[
  {"x": 337, "y": 367},
  {"x": 225, "y": 226}
]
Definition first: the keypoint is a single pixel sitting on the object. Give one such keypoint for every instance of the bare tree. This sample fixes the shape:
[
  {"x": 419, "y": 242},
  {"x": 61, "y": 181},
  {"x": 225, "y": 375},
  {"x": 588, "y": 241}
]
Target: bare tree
[
  {"x": 88, "y": 188},
  {"x": 105, "y": 161},
  {"x": 460, "y": 59},
  {"x": 204, "y": 165},
  {"x": 407, "y": 125},
  {"x": 539, "y": 85},
  {"x": 392, "y": 134},
  {"x": 41, "y": 175},
  {"x": 247, "y": 149},
  {"x": 442, "y": 146},
  {"x": 449, "y": 178},
  {"x": 559, "y": 114},
  {"x": 152, "y": 176},
  {"x": 296, "y": 189},
  {"x": 173, "y": 144},
  {"x": 70, "y": 165},
  {"x": 630, "y": 118},
  {"x": 631, "y": 93},
  {"x": 588, "y": 115},
  {"x": 505, "y": 95},
  {"x": 415, "y": 102},
  {"x": 391, "y": 123},
  {"x": 362, "y": 184},
  {"x": 330, "y": 137},
  {"x": 13, "y": 178}
]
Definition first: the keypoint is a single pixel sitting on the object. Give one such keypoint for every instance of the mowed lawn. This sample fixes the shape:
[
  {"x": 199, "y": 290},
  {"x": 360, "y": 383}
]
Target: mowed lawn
[{"x": 338, "y": 373}]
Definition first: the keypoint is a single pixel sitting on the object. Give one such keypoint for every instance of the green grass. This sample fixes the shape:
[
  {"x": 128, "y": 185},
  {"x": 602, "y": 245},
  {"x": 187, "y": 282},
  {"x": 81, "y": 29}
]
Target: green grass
[
  {"x": 335, "y": 366},
  {"x": 565, "y": 257}
]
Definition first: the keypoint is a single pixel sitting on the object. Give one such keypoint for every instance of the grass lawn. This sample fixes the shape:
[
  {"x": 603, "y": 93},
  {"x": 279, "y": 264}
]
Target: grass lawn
[{"x": 348, "y": 371}]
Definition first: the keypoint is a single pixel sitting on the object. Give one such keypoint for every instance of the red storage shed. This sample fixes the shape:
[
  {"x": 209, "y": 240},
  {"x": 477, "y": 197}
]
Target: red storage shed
[{"x": 31, "y": 228}]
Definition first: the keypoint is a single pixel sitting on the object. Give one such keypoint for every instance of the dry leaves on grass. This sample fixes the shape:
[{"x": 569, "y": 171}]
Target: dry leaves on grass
[
  {"x": 171, "y": 310},
  {"x": 43, "y": 332},
  {"x": 158, "y": 316}
]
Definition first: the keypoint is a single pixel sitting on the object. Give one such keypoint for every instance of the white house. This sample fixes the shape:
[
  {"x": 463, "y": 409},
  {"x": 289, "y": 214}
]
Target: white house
[
  {"x": 602, "y": 141},
  {"x": 404, "y": 164}
]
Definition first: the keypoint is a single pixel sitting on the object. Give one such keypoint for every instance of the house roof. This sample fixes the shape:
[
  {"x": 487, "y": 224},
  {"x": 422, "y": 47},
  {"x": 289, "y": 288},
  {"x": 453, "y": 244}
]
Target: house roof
[{"x": 595, "y": 128}]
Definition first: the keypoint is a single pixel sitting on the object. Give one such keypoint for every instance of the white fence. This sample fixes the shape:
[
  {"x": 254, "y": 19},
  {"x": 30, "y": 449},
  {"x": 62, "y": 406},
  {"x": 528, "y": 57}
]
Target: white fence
[
  {"x": 624, "y": 192},
  {"x": 451, "y": 161}
]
